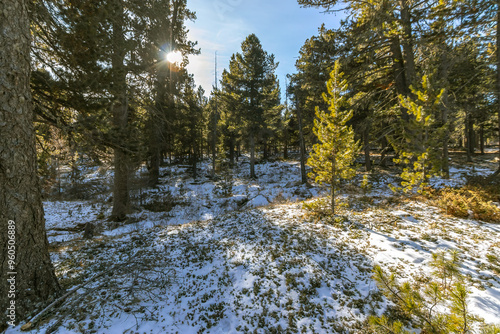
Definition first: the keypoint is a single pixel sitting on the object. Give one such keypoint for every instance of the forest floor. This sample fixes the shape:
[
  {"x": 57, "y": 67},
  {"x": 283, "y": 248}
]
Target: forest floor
[{"x": 244, "y": 256}]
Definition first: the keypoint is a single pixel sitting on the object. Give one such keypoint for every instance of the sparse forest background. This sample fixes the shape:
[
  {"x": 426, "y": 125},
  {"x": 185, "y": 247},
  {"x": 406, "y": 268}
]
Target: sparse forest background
[{"x": 105, "y": 94}]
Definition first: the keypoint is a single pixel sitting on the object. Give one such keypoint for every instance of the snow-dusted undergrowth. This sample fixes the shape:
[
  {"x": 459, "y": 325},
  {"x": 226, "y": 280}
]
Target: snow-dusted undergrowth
[{"x": 237, "y": 264}]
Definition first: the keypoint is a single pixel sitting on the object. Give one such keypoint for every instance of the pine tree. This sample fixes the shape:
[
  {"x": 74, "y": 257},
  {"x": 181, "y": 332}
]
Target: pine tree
[
  {"x": 332, "y": 158},
  {"x": 252, "y": 84},
  {"x": 425, "y": 160}
]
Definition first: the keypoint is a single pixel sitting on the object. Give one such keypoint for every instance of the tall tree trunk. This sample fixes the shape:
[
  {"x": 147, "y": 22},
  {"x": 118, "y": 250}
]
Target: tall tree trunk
[
  {"x": 444, "y": 71},
  {"x": 23, "y": 240},
  {"x": 154, "y": 150},
  {"x": 194, "y": 161},
  {"x": 252, "y": 157},
  {"x": 302, "y": 144},
  {"x": 385, "y": 144},
  {"x": 285, "y": 149},
  {"x": 366, "y": 140},
  {"x": 214, "y": 139},
  {"x": 407, "y": 43},
  {"x": 238, "y": 151},
  {"x": 231, "y": 150},
  {"x": 468, "y": 136},
  {"x": 334, "y": 177},
  {"x": 121, "y": 198},
  {"x": 155, "y": 126},
  {"x": 481, "y": 138},
  {"x": 446, "y": 141},
  {"x": 399, "y": 73}
]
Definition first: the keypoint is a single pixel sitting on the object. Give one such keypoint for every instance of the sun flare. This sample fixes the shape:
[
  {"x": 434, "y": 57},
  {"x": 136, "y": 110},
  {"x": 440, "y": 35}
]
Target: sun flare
[{"x": 174, "y": 57}]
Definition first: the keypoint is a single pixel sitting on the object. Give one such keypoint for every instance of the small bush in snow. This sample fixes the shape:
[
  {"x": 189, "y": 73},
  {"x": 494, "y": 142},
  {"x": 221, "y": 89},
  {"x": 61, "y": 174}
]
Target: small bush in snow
[{"x": 436, "y": 304}]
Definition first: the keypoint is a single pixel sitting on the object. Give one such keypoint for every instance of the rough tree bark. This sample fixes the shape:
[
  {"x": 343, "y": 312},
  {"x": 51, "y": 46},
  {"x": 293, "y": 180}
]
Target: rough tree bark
[
  {"x": 399, "y": 73},
  {"x": 302, "y": 148},
  {"x": 121, "y": 197},
  {"x": 407, "y": 43},
  {"x": 252, "y": 157},
  {"x": 469, "y": 134},
  {"x": 20, "y": 199}
]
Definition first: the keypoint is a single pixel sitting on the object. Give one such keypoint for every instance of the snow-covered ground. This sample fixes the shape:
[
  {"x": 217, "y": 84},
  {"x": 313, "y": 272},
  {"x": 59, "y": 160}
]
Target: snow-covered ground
[{"x": 252, "y": 259}]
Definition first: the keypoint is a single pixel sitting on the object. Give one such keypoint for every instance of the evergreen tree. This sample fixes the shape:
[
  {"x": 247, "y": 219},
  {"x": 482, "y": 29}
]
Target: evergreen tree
[
  {"x": 252, "y": 83},
  {"x": 106, "y": 58},
  {"x": 332, "y": 158},
  {"x": 230, "y": 107},
  {"x": 426, "y": 161}
]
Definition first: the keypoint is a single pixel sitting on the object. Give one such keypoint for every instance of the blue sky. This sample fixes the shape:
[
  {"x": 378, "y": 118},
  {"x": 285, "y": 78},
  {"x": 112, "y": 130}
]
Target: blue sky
[{"x": 281, "y": 25}]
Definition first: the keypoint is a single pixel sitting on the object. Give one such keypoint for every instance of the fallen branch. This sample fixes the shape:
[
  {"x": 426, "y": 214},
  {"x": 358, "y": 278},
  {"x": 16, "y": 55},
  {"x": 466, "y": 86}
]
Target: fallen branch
[{"x": 29, "y": 325}]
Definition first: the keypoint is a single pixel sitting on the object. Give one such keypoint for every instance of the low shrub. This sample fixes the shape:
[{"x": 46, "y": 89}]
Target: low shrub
[
  {"x": 436, "y": 304},
  {"x": 319, "y": 208},
  {"x": 163, "y": 202},
  {"x": 468, "y": 202}
]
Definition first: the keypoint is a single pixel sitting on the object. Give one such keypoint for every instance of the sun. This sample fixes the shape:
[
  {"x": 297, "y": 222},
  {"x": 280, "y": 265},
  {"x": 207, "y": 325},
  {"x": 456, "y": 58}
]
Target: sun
[{"x": 174, "y": 57}]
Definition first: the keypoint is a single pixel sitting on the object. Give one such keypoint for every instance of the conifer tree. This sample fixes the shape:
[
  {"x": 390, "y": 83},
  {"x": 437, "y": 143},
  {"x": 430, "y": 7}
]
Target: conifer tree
[
  {"x": 252, "y": 84},
  {"x": 425, "y": 160},
  {"x": 332, "y": 158}
]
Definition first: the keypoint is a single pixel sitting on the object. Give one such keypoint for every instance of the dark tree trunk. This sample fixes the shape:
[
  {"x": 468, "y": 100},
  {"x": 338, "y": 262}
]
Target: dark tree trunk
[
  {"x": 214, "y": 140},
  {"x": 231, "y": 150},
  {"x": 155, "y": 126},
  {"x": 383, "y": 158},
  {"x": 399, "y": 73},
  {"x": 21, "y": 210},
  {"x": 121, "y": 198},
  {"x": 443, "y": 73},
  {"x": 194, "y": 161},
  {"x": 407, "y": 43},
  {"x": 366, "y": 140},
  {"x": 302, "y": 144},
  {"x": 469, "y": 147},
  {"x": 266, "y": 152},
  {"x": 154, "y": 151},
  {"x": 252, "y": 157},
  {"x": 333, "y": 181},
  {"x": 481, "y": 138}
]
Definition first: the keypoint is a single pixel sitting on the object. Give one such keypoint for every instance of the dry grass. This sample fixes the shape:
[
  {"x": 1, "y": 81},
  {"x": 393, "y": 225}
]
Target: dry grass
[{"x": 469, "y": 202}]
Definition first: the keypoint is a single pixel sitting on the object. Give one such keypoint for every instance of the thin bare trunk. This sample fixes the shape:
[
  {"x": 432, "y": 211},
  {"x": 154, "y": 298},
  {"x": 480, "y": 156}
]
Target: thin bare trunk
[
  {"x": 334, "y": 170},
  {"x": 121, "y": 198},
  {"x": 231, "y": 150},
  {"x": 444, "y": 71},
  {"x": 468, "y": 135},
  {"x": 302, "y": 148},
  {"x": 252, "y": 157},
  {"x": 481, "y": 138},
  {"x": 366, "y": 140}
]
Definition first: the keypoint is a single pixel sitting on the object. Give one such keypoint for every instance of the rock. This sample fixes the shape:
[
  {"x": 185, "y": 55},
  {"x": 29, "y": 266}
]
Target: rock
[
  {"x": 88, "y": 233},
  {"x": 259, "y": 200}
]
